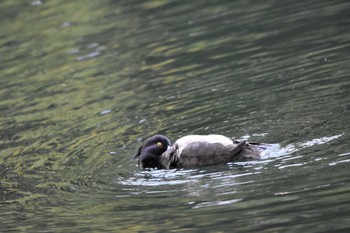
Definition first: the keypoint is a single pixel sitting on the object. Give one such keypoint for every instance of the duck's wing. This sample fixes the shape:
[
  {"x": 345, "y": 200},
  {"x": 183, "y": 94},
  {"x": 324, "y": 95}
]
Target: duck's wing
[{"x": 201, "y": 153}]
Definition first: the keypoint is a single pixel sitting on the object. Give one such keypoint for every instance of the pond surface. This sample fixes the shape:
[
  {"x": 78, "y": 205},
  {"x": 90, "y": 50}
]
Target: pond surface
[{"x": 82, "y": 83}]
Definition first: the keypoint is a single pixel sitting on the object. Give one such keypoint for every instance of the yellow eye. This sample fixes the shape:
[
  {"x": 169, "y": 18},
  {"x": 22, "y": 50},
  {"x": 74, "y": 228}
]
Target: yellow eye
[{"x": 159, "y": 144}]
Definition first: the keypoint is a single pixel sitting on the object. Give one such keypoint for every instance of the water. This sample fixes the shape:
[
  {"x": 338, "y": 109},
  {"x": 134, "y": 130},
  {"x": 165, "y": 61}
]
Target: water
[{"x": 83, "y": 82}]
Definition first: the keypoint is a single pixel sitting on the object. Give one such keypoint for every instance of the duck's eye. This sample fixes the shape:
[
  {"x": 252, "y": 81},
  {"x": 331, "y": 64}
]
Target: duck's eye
[{"x": 159, "y": 144}]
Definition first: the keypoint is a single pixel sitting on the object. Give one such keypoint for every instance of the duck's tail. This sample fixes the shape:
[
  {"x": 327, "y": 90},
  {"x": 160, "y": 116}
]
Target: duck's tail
[{"x": 248, "y": 151}]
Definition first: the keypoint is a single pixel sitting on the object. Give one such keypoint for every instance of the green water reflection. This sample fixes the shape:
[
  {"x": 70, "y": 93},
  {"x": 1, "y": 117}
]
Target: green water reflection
[{"x": 82, "y": 82}]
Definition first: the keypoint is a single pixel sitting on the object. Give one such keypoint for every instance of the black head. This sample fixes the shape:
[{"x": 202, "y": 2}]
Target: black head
[{"x": 148, "y": 154}]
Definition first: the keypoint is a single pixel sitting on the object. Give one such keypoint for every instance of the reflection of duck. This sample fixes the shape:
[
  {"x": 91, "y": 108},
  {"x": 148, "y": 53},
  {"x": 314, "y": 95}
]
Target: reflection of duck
[{"x": 194, "y": 151}]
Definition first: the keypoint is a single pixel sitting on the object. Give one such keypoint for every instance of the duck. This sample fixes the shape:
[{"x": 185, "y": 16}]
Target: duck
[{"x": 194, "y": 151}]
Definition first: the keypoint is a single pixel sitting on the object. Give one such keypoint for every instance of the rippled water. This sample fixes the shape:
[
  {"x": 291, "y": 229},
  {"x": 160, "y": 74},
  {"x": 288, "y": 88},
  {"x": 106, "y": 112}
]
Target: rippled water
[{"x": 83, "y": 82}]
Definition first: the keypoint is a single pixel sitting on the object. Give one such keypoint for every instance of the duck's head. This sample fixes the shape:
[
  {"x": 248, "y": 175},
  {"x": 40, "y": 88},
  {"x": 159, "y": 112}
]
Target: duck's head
[{"x": 148, "y": 154}]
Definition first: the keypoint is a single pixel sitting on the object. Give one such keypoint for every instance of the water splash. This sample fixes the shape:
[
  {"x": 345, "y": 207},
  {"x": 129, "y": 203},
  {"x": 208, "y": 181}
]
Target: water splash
[{"x": 276, "y": 150}]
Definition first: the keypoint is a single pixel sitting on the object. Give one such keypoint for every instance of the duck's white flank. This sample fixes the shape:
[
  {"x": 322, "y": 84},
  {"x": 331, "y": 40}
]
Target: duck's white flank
[{"x": 211, "y": 138}]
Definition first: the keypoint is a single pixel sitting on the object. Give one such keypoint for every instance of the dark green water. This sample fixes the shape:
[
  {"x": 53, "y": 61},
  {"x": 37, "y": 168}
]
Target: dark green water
[{"x": 82, "y": 82}]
